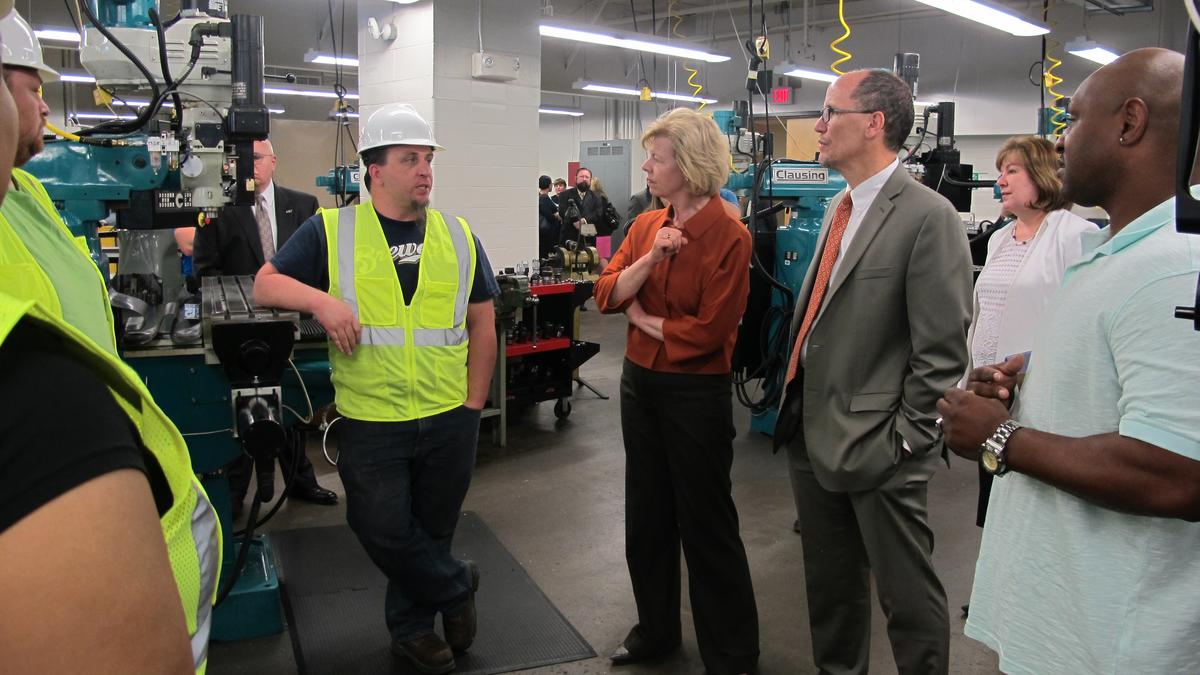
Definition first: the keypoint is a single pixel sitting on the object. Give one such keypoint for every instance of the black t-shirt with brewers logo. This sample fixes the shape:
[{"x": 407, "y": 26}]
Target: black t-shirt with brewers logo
[{"x": 305, "y": 257}]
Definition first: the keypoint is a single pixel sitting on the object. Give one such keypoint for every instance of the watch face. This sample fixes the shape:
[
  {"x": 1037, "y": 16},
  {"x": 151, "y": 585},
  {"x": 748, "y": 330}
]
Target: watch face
[{"x": 991, "y": 463}]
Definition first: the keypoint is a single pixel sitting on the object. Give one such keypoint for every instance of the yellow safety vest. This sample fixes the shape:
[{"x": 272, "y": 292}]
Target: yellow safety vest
[
  {"x": 78, "y": 283},
  {"x": 412, "y": 359},
  {"x": 190, "y": 528}
]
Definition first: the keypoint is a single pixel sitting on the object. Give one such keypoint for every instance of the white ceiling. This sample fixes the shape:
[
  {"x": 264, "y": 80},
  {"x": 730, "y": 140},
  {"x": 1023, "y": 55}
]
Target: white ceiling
[{"x": 295, "y": 26}]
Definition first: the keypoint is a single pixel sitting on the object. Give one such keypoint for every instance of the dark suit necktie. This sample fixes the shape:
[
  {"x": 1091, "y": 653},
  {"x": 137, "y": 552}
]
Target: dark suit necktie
[
  {"x": 264, "y": 228},
  {"x": 829, "y": 256}
]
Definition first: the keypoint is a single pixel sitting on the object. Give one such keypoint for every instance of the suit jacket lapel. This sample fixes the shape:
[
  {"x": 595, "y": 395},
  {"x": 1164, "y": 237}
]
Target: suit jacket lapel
[{"x": 871, "y": 224}]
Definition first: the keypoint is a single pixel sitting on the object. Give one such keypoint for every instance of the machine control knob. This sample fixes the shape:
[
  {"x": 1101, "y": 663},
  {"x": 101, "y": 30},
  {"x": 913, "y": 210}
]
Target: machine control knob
[
  {"x": 255, "y": 356},
  {"x": 192, "y": 167}
]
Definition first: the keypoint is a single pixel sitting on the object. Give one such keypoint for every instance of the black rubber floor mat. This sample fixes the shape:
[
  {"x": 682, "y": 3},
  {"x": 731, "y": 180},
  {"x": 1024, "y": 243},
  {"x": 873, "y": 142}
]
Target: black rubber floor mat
[{"x": 333, "y": 595}]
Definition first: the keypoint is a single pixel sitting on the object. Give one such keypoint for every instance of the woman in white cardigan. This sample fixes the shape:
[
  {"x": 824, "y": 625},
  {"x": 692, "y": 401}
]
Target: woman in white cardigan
[{"x": 1026, "y": 260}]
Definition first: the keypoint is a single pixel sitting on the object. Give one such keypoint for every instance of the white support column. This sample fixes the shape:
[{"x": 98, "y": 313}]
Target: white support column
[{"x": 488, "y": 173}]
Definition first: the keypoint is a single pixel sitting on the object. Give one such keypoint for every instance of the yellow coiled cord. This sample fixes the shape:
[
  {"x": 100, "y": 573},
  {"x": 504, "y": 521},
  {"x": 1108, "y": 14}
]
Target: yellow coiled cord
[
  {"x": 846, "y": 56},
  {"x": 1050, "y": 80},
  {"x": 692, "y": 72}
]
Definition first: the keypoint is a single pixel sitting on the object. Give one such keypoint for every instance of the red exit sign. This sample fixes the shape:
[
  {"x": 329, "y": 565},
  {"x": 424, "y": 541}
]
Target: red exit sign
[{"x": 781, "y": 95}]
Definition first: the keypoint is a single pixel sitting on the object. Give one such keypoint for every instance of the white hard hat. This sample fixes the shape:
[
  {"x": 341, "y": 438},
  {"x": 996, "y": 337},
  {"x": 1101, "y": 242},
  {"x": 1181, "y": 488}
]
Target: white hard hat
[
  {"x": 396, "y": 124},
  {"x": 21, "y": 47}
]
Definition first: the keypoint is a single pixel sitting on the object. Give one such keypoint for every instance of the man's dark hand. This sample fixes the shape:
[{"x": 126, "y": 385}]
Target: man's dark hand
[
  {"x": 968, "y": 419},
  {"x": 998, "y": 380}
]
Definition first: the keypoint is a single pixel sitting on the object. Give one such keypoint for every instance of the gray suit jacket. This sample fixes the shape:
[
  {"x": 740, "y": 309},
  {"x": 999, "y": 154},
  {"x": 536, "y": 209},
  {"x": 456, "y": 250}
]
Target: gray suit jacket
[{"x": 890, "y": 337}]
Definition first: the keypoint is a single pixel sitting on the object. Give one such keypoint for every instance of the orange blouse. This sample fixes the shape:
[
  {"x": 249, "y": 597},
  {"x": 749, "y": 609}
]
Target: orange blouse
[{"x": 700, "y": 292}]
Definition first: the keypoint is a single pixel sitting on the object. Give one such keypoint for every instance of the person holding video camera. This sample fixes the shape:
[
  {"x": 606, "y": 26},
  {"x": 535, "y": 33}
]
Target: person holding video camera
[{"x": 584, "y": 202}]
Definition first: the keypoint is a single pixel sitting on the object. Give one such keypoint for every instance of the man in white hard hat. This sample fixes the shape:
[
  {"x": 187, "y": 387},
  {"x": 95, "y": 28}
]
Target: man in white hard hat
[
  {"x": 104, "y": 512},
  {"x": 28, "y": 214},
  {"x": 405, "y": 295}
]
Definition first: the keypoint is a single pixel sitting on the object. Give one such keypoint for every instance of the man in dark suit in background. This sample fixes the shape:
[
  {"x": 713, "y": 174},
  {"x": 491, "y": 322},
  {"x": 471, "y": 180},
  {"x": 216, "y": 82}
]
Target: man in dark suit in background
[
  {"x": 240, "y": 241},
  {"x": 590, "y": 205},
  {"x": 235, "y": 242},
  {"x": 880, "y": 330}
]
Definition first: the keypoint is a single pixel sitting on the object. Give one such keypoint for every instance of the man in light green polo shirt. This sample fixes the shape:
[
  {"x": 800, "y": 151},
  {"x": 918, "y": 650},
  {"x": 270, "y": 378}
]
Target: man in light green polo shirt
[
  {"x": 1090, "y": 561},
  {"x": 39, "y": 249}
]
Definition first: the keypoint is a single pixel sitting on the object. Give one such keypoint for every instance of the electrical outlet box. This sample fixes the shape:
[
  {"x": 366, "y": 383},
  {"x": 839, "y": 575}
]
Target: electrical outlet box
[{"x": 495, "y": 67}]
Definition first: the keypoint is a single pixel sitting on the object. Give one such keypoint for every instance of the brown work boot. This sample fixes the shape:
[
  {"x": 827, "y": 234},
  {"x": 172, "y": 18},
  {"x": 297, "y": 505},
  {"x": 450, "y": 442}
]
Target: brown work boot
[
  {"x": 427, "y": 653},
  {"x": 459, "y": 627}
]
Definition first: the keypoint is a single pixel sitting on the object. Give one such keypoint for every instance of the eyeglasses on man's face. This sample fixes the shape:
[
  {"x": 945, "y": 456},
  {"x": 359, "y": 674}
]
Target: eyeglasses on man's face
[{"x": 829, "y": 111}]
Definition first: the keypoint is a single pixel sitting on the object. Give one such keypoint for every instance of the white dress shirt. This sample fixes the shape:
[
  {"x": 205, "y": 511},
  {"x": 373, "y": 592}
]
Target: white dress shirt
[{"x": 268, "y": 195}]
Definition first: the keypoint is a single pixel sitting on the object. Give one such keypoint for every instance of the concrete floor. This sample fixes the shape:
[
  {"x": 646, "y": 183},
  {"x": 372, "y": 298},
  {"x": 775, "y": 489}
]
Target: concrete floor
[{"x": 555, "y": 498}]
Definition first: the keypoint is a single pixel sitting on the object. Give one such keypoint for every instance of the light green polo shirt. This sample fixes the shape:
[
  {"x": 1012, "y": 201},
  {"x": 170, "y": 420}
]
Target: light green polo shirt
[{"x": 1063, "y": 585}]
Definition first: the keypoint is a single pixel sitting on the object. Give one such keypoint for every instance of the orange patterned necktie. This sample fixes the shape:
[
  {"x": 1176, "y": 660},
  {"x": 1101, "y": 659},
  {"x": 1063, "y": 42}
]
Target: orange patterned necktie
[{"x": 833, "y": 245}]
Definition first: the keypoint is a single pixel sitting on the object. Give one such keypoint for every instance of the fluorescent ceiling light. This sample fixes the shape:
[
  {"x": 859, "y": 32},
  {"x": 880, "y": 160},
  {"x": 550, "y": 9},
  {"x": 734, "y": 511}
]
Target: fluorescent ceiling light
[
  {"x": 75, "y": 77},
  {"x": 311, "y": 93},
  {"x": 808, "y": 73},
  {"x": 546, "y": 110},
  {"x": 1098, "y": 54},
  {"x": 101, "y": 116},
  {"x": 403, "y": 2},
  {"x": 59, "y": 34},
  {"x": 1092, "y": 51},
  {"x": 311, "y": 56},
  {"x": 989, "y": 15},
  {"x": 614, "y": 38},
  {"x": 630, "y": 91}
]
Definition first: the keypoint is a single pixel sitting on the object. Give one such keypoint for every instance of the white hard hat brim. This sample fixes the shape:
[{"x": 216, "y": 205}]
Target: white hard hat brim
[
  {"x": 48, "y": 74},
  {"x": 388, "y": 144}
]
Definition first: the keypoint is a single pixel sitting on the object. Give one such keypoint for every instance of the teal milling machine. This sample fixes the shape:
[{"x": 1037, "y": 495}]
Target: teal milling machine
[
  {"x": 782, "y": 251},
  {"x": 216, "y": 363}
]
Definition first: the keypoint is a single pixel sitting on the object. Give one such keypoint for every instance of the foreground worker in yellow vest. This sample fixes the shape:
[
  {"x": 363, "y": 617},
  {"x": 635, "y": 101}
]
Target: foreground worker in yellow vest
[
  {"x": 87, "y": 582},
  {"x": 404, "y": 293},
  {"x": 38, "y": 255}
]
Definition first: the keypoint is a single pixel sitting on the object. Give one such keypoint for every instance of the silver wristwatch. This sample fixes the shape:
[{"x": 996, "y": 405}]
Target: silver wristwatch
[{"x": 991, "y": 456}]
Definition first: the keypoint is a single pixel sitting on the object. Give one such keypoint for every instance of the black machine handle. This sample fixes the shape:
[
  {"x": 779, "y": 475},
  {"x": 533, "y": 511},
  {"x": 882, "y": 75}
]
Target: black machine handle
[{"x": 1187, "y": 208}]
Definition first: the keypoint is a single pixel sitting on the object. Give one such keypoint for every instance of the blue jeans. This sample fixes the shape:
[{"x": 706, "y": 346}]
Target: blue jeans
[{"x": 405, "y": 483}]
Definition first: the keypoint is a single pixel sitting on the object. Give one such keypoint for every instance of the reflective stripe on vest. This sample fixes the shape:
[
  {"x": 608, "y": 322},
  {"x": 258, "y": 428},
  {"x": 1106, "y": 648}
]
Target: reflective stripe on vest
[
  {"x": 206, "y": 532},
  {"x": 190, "y": 528},
  {"x": 411, "y": 361}
]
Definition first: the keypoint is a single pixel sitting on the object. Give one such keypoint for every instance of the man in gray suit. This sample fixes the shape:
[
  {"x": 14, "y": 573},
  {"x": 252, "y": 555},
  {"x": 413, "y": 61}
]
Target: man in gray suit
[{"x": 880, "y": 330}]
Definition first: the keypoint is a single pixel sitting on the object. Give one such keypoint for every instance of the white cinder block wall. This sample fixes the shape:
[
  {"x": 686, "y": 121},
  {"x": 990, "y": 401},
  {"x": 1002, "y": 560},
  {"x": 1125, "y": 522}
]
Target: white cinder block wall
[{"x": 488, "y": 173}]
